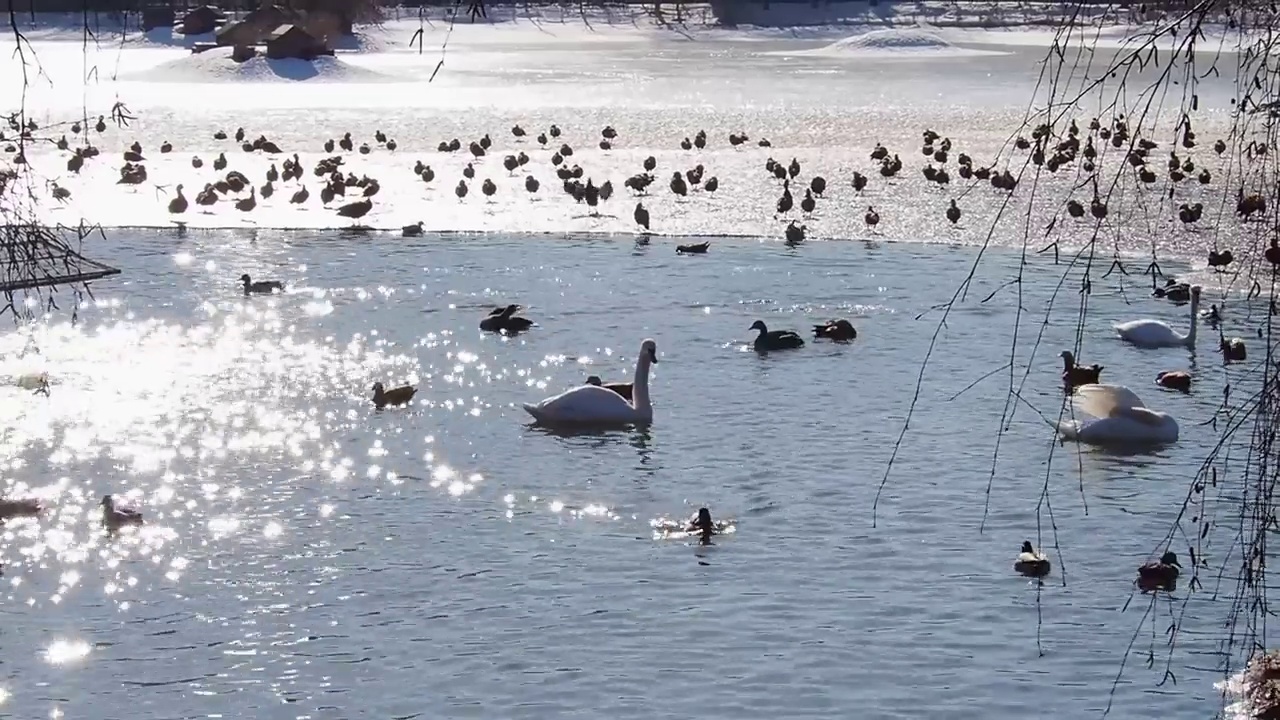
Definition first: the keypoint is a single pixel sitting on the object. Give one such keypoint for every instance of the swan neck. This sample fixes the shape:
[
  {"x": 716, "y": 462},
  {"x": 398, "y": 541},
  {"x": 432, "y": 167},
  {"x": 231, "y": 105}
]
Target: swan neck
[
  {"x": 1195, "y": 313},
  {"x": 640, "y": 385}
]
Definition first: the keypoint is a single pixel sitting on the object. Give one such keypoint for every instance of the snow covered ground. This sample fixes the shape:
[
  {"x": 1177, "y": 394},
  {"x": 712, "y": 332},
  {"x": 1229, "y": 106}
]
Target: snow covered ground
[{"x": 823, "y": 94}]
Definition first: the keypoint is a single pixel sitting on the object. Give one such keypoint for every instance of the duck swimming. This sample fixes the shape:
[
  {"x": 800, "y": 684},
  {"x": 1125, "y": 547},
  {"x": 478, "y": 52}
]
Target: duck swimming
[
  {"x": 837, "y": 330},
  {"x": 1030, "y": 562},
  {"x": 775, "y": 339},
  {"x": 703, "y": 525},
  {"x": 24, "y": 507},
  {"x": 262, "y": 287},
  {"x": 1073, "y": 375},
  {"x": 623, "y": 389},
  {"x": 504, "y": 320},
  {"x": 383, "y": 397},
  {"x": 115, "y": 516},
  {"x": 589, "y": 404},
  {"x": 1160, "y": 575}
]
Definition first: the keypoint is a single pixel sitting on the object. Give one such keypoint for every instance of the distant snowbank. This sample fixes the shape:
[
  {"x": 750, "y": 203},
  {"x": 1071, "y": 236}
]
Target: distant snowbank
[
  {"x": 891, "y": 43},
  {"x": 216, "y": 65}
]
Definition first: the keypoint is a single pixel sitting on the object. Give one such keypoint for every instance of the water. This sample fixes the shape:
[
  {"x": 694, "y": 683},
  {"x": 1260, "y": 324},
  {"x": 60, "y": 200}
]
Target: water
[{"x": 307, "y": 556}]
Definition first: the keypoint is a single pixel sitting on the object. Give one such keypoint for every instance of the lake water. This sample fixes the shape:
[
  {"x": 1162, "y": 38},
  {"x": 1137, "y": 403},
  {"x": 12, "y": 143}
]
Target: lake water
[{"x": 307, "y": 556}]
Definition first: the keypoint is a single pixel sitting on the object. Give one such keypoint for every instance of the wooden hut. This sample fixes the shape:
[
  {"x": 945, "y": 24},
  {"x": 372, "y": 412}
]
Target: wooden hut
[
  {"x": 201, "y": 20},
  {"x": 255, "y": 26},
  {"x": 291, "y": 41}
]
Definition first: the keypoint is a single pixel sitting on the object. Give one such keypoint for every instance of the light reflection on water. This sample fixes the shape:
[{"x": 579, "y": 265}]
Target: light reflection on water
[{"x": 300, "y": 544}]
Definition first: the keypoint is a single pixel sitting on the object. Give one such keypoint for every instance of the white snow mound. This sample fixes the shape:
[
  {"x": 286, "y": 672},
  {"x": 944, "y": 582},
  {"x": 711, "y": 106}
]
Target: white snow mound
[
  {"x": 216, "y": 65},
  {"x": 894, "y": 42}
]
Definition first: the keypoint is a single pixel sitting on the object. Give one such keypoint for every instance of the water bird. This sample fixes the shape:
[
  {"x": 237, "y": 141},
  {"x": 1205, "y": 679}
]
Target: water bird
[
  {"x": 394, "y": 397},
  {"x": 461, "y": 189},
  {"x": 554, "y": 130},
  {"x": 694, "y": 249},
  {"x": 872, "y": 218},
  {"x": 589, "y": 404},
  {"x": 249, "y": 203},
  {"x": 623, "y": 389},
  {"x": 115, "y": 516},
  {"x": 786, "y": 202},
  {"x": 838, "y": 330},
  {"x": 345, "y": 143},
  {"x": 356, "y": 210},
  {"x": 505, "y": 320},
  {"x": 641, "y": 216},
  {"x": 712, "y": 184},
  {"x": 262, "y": 287},
  {"x": 768, "y": 339},
  {"x": 488, "y": 188},
  {"x": 685, "y": 144},
  {"x": 678, "y": 185},
  {"x": 101, "y": 125},
  {"x": 178, "y": 204},
  {"x": 469, "y": 172},
  {"x": 1149, "y": 333},
  {"x": 1115, "y": 415},
  {"x": 1220, "y": 259},
  {"x": 22, "y": 507},
  {"x": 1174, "y": 380},
  {"x": 220, "y": 162},
  {"x": 700, "y": 139},
  {"x": 542, "y": 138},
  {"x": 953, "y": 213},
  {"x": 818, "y": 185},
  {"x": 414, "y": 230},
  {"x": 328, "y": 145},
  {"x": 267, "y": 190},
  {"x": 518, "y": 131},
  {"x": 1073, "y": 375},
  {"x": 59, "y": 193},
  {"x": 1161, "y": 574},
  {"x": 795, "y": 233},
  {"x": 1030, "y": 562},
  {"x": 300, "y": 196},
  {"x": 808, "y": 203},
  {"x": 650, "y": 163},
  {"x": 365, "y": 149},
  {"x": 510, "y": 163},
  {"x": 531, "y": 184},
  {"x": 1233, "y": 350},
  {"x": 859, "y": 181}
]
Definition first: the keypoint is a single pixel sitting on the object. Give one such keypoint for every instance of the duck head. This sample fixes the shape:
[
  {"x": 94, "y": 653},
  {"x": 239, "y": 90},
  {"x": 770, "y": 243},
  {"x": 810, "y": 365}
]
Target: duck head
[
  {"x": 649, "y": 349},
  {"x": 108, "y": 503},
  {"x": 704, "y": 519},
  {"x": 759, "y": 325},
  {"x": 1169, "y": 558},
  {"x": 595, "y": 380},
  {"x": 245, "y": 278},
  {"x": 1068, "y": 360},
  {"x": 378, "y": 388},
  {"x": 1026, "y": 547}
]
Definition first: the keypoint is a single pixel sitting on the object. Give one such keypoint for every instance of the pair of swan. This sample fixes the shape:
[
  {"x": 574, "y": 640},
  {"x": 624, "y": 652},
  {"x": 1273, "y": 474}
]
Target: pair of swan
[
  {"x": 1157, "y": 334},
  {"x": 1115, "y": 415},
  {"x": 593, "y": 404}
]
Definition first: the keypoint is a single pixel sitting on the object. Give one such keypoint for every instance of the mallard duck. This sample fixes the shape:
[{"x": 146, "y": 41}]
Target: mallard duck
[
  {"x": 775, "y": 339},
  {"x": 696, "y": 249},
  {"x": 838, "y": 330},
  {"x": 623, "y": 389},
  {"x": 394, "y": 397},
  {"x": 115, "y": 516},
  {"x": 1073, "y": 375},
  {"x": 505, "y": 320},
  {"x": 1030, "y": 562},
  {"x": 1161, "y": 575},
  {"x": 262, "y": 287},
  {"x": 1174, "y": 380},
  {"x": 23, "y": 507},
  {"x": 414, "y": 230}
]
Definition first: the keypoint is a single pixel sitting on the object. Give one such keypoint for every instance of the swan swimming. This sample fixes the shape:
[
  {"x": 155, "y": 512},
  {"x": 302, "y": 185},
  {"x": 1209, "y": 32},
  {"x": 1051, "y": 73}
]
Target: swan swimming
[
  {"x": 587, "y": 404},
  {"x": 1157, "y": 333},
  {"x": 1116, "y": 416}
]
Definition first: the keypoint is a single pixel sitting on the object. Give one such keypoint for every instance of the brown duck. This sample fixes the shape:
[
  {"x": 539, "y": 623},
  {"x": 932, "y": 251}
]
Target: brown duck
[
  {"x": 1073, "y": 375},
  {"x": 394, "y": 397},
  {"x": 837, "y": 330}
]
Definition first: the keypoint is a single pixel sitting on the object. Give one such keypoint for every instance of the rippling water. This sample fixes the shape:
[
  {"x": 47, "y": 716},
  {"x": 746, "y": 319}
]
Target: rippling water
[{"x": 306, "y": 555}]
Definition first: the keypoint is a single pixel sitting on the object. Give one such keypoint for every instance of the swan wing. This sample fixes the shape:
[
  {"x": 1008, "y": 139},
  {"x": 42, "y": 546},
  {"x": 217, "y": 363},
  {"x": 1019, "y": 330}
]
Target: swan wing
[
  {"x": 1104, "y": 401},
  {"x": 584, "y": 404}
]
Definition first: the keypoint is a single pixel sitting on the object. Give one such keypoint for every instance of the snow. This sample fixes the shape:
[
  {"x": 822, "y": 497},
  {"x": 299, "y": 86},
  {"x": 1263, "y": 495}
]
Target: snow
[{"x": 654, "y": 83}]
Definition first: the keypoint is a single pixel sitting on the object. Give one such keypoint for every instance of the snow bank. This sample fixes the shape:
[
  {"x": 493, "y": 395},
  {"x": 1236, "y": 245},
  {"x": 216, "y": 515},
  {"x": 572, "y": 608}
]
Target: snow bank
[
  {"x": 216, "y": 65},
  {"x": 891, "y": 43}
]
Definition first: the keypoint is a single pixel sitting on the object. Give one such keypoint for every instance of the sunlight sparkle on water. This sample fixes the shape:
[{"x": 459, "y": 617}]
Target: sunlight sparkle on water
[{"x": 61, "y": 652}]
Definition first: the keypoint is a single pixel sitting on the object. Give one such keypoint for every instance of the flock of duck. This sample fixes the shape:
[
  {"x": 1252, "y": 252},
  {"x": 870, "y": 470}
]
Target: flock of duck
[{"x": 353, "y": 196}]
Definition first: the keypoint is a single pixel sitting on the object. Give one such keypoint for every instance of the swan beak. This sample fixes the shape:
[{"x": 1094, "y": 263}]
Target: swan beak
[{"x": 653, "y": 356}]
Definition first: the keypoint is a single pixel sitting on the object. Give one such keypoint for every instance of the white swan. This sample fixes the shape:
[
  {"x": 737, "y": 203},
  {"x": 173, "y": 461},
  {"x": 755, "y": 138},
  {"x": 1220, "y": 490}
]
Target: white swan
[
  {"x": 588, "y": 404},
  {"x": 1116, "y": 416},
  {"x": 1158, "y": 334}
]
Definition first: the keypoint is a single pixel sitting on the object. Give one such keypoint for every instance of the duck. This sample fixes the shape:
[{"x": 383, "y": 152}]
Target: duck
[
  {"x": 1233, "y": 350},
  {"x": 1149, "y": 333},
  {"x": 22, "y": 507},
  {"x": 504, "y": 320},
  {"x": 414, "y": 230},
  {"x": 115, "y": 516},
  {"x": 1160, "y": 575},
  {"x": 775, "y": 339},
  {"x": 1115, "y": 415},
  {"x": 178, "y": 204},
  {"x": 837, "y": 330},
  {"x": 694, "y": 249},
  {"x": 1174, "y": 380},
  {"x": 702, "y": 524},
  {"x": 262, "y": 287},
  {"x": 623, "y": 389},
  {"x": 1030, "y": 562},
  {"x": 396, "y": 396},
  {"x": 589, "y": 404},
  {"x": 1073, "y": 375}
]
